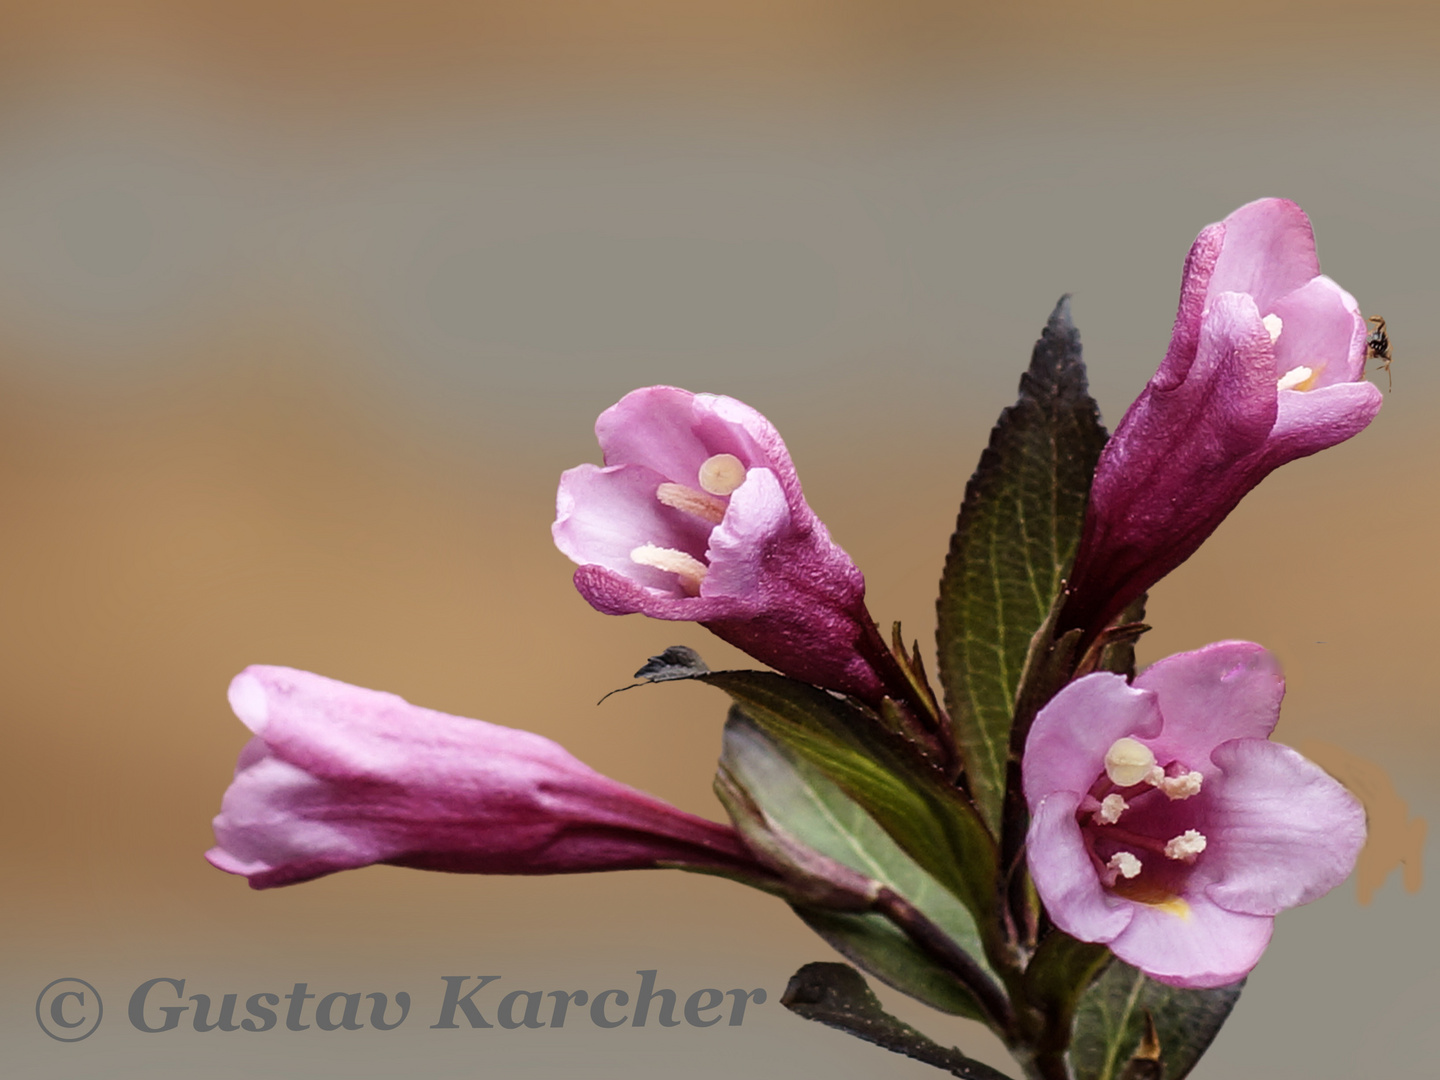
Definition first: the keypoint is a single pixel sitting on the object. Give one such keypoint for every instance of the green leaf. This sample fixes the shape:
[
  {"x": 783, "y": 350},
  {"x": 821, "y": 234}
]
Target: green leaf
[
  {"x": 1111, "y": 1020},
  {"x": 877, "y": 945},
  {"x": 802, "y": 813},
  {"x": 1017, "y": 532},
  {"x": 926, "y": 817},
  {"x": 836, "y": 995}
]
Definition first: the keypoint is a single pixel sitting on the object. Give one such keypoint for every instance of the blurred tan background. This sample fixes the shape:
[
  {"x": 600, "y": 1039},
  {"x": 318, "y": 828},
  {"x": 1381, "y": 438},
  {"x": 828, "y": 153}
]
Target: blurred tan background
[{"x": 304, "y": 307}]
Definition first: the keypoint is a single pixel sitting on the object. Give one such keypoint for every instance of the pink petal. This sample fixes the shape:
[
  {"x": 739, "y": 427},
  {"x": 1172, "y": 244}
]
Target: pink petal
[
  {"x": 602, "y": 515},
  {"x": 1228, "y": 690},
  {"x": 741, "y": 545},
  {"x": 1313, "y": 420},
  {"x": 1194, "y": 289},
  {"x": 655, "y": 427},
  {"x": 1283, "y": 831},
  {"x": 1269, "y": 251},
  {"x": 1205, "y": 948},
  {"x": 1065, "y": 750},
  {"x": 1065, "y": 877},
  {"x": 611, "y": 593},
  {"x": 1322, "y": 329}
]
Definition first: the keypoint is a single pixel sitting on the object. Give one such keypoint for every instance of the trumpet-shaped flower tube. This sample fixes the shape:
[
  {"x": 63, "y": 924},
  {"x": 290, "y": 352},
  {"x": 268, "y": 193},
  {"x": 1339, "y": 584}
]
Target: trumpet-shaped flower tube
[
  {"x": 338, "y": 777},
  {"x": 1266, "y": 364},
  {"x": 1165, "y": 825},
  {"x": 697, "y": 515}
]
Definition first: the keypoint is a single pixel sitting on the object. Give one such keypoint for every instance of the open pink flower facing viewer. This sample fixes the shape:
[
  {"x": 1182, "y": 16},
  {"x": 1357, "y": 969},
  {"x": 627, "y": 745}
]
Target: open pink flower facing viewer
[{"x": 1165, "y": 825}]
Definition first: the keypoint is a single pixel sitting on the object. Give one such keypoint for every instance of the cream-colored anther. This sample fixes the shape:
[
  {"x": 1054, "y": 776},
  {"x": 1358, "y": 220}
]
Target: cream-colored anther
[
  {"x": 1127, "y": 864},
  {"x": 703, "y": 506},
  {"x": 1274, "y": 325},
  {"x": 1297, "y": 378},
  {"x": 690, "y": 570},
  {"x": 1128, "y": 762},
  {"x": 1182, "y": 786},
  {"x": 1186, "y": 846},
  {"x": 1111, "y": 807},
  {"x": 722, "y": 474}
]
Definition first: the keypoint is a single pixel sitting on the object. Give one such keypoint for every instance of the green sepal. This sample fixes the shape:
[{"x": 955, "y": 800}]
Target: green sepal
[
  {"x": 1016, "y": 535},
  {"x": 1110, "y": 1025}
]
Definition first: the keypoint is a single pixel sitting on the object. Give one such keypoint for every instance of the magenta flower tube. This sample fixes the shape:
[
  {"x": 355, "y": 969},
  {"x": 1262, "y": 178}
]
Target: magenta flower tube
[
  {"x": 338, "y": 777},
  {"x": 1166, "y": 825},
  {"x": 1266, "y": 364}
]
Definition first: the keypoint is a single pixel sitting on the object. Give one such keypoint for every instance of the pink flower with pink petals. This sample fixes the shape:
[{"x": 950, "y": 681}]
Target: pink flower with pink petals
[
  {"x": 1166, "y": 825},
  {"x": 338, "y": 777},
  {"x": 697, "y": 515},
  {"x": 1266, "y": 364}
]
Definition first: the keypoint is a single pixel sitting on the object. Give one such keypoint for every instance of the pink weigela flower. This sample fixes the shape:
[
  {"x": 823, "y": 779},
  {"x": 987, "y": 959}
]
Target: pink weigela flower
[
  {"x": 1266, "y": 364},
  {"x": 1166, "y": 825},
  {"x": 338, "y": 777},
  {"x": 697, "y": 515}
]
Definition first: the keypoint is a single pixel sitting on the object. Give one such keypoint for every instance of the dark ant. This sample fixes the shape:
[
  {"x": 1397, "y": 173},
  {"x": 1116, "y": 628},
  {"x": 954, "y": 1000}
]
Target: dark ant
[{"x": 1377, "y": 347}]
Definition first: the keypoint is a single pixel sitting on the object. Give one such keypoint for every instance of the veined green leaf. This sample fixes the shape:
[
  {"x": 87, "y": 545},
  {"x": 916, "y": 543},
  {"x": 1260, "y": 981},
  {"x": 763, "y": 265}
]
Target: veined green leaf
[
  {"x": 1018, "y": 528},
  {"x": 799, "y": 799},
  {"x": 926, "y": 817},
  {"x": 1110, "y": 1023}
]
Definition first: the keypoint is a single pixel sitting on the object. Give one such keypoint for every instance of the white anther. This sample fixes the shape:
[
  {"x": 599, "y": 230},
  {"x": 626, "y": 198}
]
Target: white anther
[
  {"x": 691, "y": 501},
  {"x": 1127, "y": 864},
  {"x": 1274, "y": 325},
  {"x": 1186, "y": 846},
  {"x": 1295, "y": 378},
  {"x": 690, "y": 570},
  {"x": 722, "y": 474},
  {"x": 1182, "y": 786},
  {"x": 1111, "y": 807},
  {"x": 1128, "y": 762}
]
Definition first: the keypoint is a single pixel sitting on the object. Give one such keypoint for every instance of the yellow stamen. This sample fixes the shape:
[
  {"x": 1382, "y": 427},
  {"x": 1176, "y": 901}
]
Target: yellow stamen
[
  {"x": 703, "y": 506},
  {"x": 690, "y": 570},
  {"x": 722, "y": 474}
]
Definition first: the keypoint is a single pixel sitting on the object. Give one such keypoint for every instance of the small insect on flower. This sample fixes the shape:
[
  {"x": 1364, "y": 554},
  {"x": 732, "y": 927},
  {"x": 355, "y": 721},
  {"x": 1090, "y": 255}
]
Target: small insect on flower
[{"x": 1377, "y": 347}]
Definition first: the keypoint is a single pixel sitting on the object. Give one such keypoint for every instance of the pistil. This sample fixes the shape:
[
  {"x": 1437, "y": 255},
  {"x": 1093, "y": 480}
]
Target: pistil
[{"x": 722, "y": 474}]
